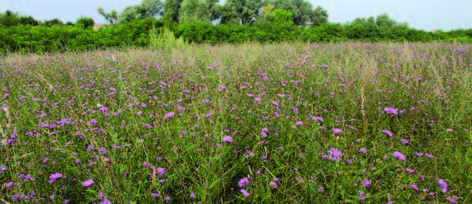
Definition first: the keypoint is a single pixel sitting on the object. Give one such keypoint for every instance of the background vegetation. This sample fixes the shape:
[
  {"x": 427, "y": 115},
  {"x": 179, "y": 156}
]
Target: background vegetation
[{"x": 207, "y": 22}]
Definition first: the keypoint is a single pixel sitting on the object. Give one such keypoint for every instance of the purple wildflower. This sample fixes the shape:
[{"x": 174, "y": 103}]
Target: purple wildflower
[
  {"x": 363, "y": 150},
  {"x": 161, "y": 171},
  {"x": 443, "y": 185},
  {"x": 388, "y": 133},
  {"x": 227, "y": 139},
  {"x": 452, "y": 199},
  {"x": 55, "y": 176},
  {"x": 414, "y": 186},
  {"x": 399, "y": 156},
  {"x": 169, "y": 115},
  {"x": 243, "y": 182},
  {"x": 103, "y": 150},
  {"x": 337, "y": 131},
  {"x": 366, "y": 182},
  {"x": 87, "y": 183},
  {"x": 245, "y": 193},
  {"x": 361, "y": 195},
  {"x": 392, "y": 111},
  {"x": 334, "y": 154},
  {"x": 273, "y": 184}
]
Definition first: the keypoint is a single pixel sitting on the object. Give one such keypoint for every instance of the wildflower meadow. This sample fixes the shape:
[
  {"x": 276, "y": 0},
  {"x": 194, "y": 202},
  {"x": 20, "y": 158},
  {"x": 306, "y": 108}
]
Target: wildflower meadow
[{"x": 249, "y": 123}]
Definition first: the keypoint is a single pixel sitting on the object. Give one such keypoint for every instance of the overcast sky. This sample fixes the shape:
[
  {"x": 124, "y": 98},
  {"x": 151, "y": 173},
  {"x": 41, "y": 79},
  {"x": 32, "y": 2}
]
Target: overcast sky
[{"x": 420, "y": 14}]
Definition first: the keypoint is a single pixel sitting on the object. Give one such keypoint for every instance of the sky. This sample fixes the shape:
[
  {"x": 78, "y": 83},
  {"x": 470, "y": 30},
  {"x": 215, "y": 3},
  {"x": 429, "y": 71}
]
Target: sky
[{"x": 427, "y": 15}]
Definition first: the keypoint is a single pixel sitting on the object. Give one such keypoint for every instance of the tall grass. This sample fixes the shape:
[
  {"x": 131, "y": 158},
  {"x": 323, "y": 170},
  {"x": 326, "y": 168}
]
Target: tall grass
[
  {"x": 121, "y": 118},
  {"x": 164, "y": 39}
]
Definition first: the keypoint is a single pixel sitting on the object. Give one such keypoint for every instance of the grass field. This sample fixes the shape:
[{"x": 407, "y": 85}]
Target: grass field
[{"x": 281, "y": 123}]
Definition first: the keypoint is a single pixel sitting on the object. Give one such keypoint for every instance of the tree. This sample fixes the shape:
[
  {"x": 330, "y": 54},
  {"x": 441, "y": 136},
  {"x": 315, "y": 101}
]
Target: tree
[
  {"x": 171, "y": 10},
  {"x": 282, "y": 17},
  {"x": 383, "y": 20},
  {"x": 301, "y": 10},
  {"x": 194, "y": 10},
  {"x": 53, "y": 22},
  {"x": 319, "y": 16},
  {"x": 245, "y": 11},
  {"x": 110, "y": 17},
  {"x": 266, "y": 13},
  {"x": 8, "y": 19},
  {"x": 147, "y": 8},
  {"x": 85, "y": 22}
]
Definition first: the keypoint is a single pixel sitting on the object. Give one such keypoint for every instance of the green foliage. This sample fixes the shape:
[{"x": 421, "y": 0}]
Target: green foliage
[
  {"x": 194, "y": 10},
  {"x": 243, "y": 11},
  {"x": 147, "y": 8},
  {"x": 319, "y": 16},
  {"x": 85, "y": 22},
  {"x": 282, "y": 17},
  {"x": 12, "y": 19},
  {"x": 111, "y": 17},
  {"x": 27, "y": 38},
  {"x": 53, "y": 22},
  {"x": 164, "y": 39},
  {"x": 171, "y": 10}
]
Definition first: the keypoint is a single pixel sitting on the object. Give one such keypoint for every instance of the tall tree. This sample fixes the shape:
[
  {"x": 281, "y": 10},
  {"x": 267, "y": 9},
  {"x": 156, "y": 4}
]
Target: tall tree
[
  {"x": 147, "y": 8},
  {"x": 86, "y": 22},
  {"x": 266, "y": 13},
  {"x": 245, "y": 11},
  {"x": 53, "y": 22},
  {"x": 319, "y": 16},
  {"x": 171, "y": 10},
  {"x": 383, "y": 20},
  {"x": 194, "y": 10},
  {"x": 111, "y": 17}
]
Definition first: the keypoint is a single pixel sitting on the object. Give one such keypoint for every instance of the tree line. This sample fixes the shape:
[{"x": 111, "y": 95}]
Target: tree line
[{"x": 206, "y": 21}]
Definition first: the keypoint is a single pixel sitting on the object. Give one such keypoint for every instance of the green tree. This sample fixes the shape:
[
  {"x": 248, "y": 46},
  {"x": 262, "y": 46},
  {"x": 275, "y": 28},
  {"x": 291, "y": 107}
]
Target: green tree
[
  {"x": 111, "y": 17},
  {"x": 147, "y": 8},
  {"x": 197, "y": 10},
  {"x": 8, "y": 19},
  {"x": 383, "y": 20},
  {"x": 266, "y": 13},
  {"x": 319, "y": 16},
  {"x": 85, "y": 22},
  {"x": 243, "y": 11},
  {"x": 53, "y": 22},
  {"x": 301, "y": 10},
  {"x": 282, "y": 17},
  {"x": 171, "y": 10}
]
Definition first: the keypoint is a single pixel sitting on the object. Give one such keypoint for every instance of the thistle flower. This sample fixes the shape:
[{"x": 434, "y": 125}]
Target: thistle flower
[
  {"x": 388, "y": 133},
  {"x": 227, "y": 139},
  {"x": 169, "y": 115},
  {"x": 337, "y": 131},
  {"x": 399, "y": 156},
  {"x": 161, "y": 171},
  {"x": 366, "y": 182},
  {"x": 103, "y": 150},
  {"x": 87, "y": 183},
  {"x": 334, "y": 154},
  {"x": 243, "y": 182},
  {"x": 245, "y": 193},
  {"x": 442, "y": 185},
  {"x": 392, "y": 111}
]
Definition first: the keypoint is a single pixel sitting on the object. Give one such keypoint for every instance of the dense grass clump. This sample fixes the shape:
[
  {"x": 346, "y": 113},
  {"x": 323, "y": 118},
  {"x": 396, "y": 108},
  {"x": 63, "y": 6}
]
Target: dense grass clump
[{"x": 282, "y": 123}]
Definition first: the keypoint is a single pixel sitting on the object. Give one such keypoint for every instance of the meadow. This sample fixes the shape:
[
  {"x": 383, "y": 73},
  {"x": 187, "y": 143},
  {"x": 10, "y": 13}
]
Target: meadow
[{"x": 250, "y": 123}]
